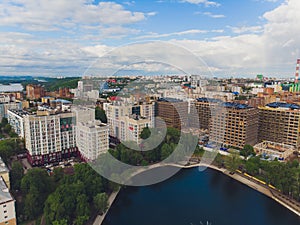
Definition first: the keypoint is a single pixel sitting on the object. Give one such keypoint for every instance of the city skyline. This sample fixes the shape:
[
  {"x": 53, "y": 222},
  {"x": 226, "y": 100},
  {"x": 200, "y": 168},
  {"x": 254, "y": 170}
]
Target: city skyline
[{"x": 233, "y": 38}]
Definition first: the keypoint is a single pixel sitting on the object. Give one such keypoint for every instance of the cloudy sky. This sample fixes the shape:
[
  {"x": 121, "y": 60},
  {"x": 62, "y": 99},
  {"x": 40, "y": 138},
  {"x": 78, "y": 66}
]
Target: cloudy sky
[{"x": 234, "y": 38}]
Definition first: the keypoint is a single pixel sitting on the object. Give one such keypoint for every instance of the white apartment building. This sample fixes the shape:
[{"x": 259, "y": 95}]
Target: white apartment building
[
  {"x": 127, "y": 121},
  {"x": 49, "y": 138},
  {"x": 15, "y": 118},
  {"x": 92, "y": 139},
  {"x": 4, "y": 107},
  {"x": 7, "y": 205}
]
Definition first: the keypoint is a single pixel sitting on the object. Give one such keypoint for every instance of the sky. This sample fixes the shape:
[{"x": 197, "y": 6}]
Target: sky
[{"x": 232, "y": 38}]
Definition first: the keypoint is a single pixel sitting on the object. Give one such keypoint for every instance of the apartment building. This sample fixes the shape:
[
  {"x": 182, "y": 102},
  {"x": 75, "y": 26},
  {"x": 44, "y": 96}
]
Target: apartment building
[
  {"x": 34, "y": 91},
  {"x": 15, "y": 118},
  {"x": 280, "y": 122},
  {"x": 205, "y": 108},
  {"x": 49, "y": 137},
  {"x": 92, "y": 139},
  {"x": 234, "y": 125},
  {"x": 5, "y": 106},
  {"x": 7, "y": 205},
  {"x": 127, "y": 121},
  {"x": 173, "y": 112},
  {"x": 4, "y": 173}
]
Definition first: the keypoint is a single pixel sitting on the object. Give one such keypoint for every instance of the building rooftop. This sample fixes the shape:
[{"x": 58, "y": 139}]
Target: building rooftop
[
  {"x": 5, "y": 196},
  {"x": 19, "y": 112},
  {"x": 63, "y": 101},
  {"x": 169, "y": 100},
  {"x": 212, "y": 100},
  {"x": 236, "y": 105},
  {"x": 283, "y": 105},
  {"x": 3, "y": 167}
]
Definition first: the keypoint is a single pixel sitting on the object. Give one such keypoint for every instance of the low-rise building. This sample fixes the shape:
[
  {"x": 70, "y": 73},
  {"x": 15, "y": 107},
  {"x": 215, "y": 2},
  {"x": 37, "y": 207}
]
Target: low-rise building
[
  {"x": 4, "y": 173},
  {"x": 7, "y": 205},
  {"x": 274, "y": 150}
]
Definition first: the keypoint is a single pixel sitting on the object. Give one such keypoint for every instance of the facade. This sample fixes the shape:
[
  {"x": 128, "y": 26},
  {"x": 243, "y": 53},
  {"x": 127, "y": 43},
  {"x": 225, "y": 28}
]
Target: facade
[
  {"x": 132, "y": 127},
  {"x": 7, "y": 205},
  {"x": 34, "y": 91},
  {"x": 274, "y": 150},
  {"x": 4, "y": 173},
  {"x": 205, "y": 108},
  {"x": 49, "y": 138},
  {"x": 16, "y": 120},
  {"x": 234, "y": 125},
  {"x": 127, "y": 121},
  {"x": 92, "y": 139},
  {"x": 280, "y": 122},
  {"x": 174, "y": 112},
  {"x": 4, "y": 107}
]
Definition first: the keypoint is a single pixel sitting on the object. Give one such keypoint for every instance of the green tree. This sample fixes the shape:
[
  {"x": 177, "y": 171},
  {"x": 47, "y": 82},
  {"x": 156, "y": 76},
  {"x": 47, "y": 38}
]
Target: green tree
[
  {"x": 16, "y": 175},
  {"x": 247, "y": 151},
  {"x": 100, "y": 115},
  {"x": 101, "y": 202},
  {"x": 145, "y": 133},
  {"x": 233, "y": 161},
  {"x": 60, "y": 222},
  {"x": 82, "y": 207},
  {"x": 4, "y": 121},
  {"x": 7, "y": 128},
  {"x": 166, "y": 150},
  {"x": 36, "y": 185}
]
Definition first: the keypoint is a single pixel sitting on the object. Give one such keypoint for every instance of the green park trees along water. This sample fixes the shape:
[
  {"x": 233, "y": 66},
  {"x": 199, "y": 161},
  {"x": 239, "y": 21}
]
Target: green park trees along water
[{"x": 63, "y": 198}]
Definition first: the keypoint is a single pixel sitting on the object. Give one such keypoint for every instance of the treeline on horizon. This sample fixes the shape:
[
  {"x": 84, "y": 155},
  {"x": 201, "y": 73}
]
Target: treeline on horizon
[{"x": 50, "y": 84}]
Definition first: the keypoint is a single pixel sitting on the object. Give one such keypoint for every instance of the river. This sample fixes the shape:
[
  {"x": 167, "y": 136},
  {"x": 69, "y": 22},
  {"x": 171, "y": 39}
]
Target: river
[{"x": 193, "y": 197}]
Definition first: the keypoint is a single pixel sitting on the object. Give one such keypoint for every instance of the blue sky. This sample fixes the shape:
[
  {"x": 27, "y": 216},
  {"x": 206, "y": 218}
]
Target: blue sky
[{"x": 62, "y": 37}]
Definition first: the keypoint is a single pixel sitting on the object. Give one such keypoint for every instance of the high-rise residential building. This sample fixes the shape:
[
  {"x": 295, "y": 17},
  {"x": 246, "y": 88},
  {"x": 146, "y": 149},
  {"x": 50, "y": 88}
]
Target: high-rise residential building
[
  {"x": 280, "y": 122},
  {"x": 173, "y": 112},
  {"x": 234, "y": 125},
  {"x": 92, "y": 139},
  {"x": 126, "y": 121},
  {"x": 34, "y": 91},
  {"x": 7, "y": 205},
  {"x": 16, "y": 120},
  {"x": 4, "y": 107},
  {"x": 49, "y": 137}
]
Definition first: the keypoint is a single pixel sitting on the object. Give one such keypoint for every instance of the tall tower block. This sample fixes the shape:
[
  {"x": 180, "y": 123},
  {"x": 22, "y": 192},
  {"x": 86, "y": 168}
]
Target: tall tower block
[{"x": 297, "y": 71}]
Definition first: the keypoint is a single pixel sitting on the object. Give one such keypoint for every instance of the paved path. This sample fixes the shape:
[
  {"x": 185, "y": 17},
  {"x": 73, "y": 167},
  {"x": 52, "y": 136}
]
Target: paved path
[{"x": 99, "y": 219}]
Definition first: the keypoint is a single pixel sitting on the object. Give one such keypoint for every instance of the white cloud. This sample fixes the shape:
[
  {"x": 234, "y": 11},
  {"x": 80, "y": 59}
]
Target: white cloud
[
  {"x": 186, "y": 32},
  {"x": 204, "y": 2},
  {"x": 216, "y": 16},
  {"x": 271, "y": 49},
  {"x": 246, "y": 29},
  {"x": 52, "y": 15}
]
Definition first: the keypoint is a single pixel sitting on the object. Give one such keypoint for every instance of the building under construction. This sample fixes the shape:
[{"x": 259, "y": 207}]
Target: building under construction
[
  {"x": 174, "y": 112},
  {"x": 280, "y": 122},
  {"x": 205, "y": 108},
  {"x": 234, "y": 125}
]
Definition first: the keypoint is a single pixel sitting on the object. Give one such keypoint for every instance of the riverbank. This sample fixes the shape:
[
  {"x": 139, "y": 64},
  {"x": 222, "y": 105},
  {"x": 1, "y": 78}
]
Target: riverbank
[
  {"x": 250, "y": 183},
  {"x": 275, "y": 195},
  {"x": 99, "y": 219}
]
